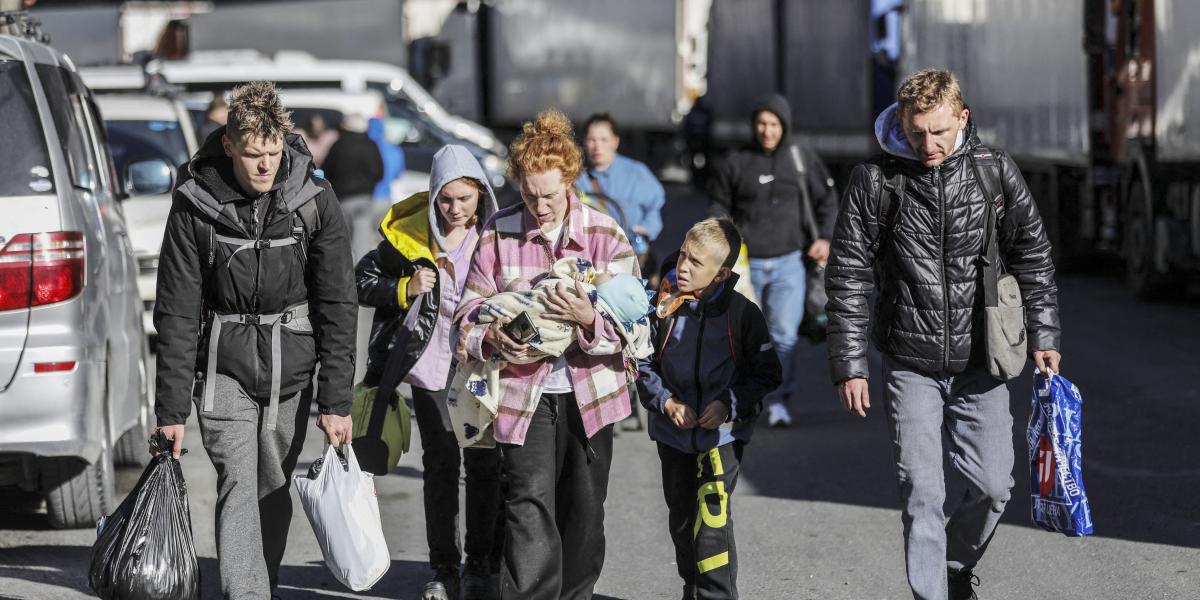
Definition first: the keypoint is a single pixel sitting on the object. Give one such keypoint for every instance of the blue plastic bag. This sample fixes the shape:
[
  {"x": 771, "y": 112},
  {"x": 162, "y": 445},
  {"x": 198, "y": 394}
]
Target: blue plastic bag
[{"x": 1055, "y": 458}]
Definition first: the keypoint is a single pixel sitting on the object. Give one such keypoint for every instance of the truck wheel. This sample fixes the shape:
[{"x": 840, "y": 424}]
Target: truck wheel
[
  {"x": 1139, "y": 244},
  {"x": 77, "y": 493}
]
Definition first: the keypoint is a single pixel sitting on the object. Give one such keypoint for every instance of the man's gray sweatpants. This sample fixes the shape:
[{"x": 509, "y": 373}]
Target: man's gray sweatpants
[
  {"x": 254, "y": 468},
  {"x": 953, "y": 446}
]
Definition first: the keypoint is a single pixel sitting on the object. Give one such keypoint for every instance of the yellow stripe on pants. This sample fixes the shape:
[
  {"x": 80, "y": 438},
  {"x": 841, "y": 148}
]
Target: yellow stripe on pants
[
  {"x": 713, "y": 562},
  {"x": 706, "y": 519}
]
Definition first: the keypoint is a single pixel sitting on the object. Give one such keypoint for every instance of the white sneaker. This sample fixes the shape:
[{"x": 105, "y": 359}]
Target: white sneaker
[{"x": 778, "y": 416}]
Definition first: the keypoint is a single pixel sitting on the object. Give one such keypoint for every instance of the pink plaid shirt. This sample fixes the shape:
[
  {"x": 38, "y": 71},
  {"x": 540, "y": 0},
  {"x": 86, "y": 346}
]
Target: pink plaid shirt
[{"x": 511, "y": 255}]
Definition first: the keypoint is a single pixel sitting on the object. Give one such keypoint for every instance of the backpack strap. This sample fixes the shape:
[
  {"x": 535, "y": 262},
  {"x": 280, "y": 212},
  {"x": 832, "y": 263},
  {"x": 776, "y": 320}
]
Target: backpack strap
[
  {"x": 986, "y": 168},
  {"x": 306, "y": 222},
  {"x": 806, "y": 206},
  {"x": 986, "y": 165},
  {"x": 891, "y": 199}
]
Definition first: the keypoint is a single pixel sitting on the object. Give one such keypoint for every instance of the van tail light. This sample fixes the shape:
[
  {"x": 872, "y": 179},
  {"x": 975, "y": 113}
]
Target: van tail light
[
  {"x": 53, "y": 367},
  {"x": 41, "y": 268}
]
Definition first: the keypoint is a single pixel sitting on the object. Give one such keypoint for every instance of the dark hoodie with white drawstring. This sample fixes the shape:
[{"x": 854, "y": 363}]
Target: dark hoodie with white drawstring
[{"x": 760, "y": 190}]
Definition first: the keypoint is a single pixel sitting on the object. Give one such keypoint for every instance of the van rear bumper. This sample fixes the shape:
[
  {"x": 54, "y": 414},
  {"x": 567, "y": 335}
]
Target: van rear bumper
[{"x": 55, "y": 414}]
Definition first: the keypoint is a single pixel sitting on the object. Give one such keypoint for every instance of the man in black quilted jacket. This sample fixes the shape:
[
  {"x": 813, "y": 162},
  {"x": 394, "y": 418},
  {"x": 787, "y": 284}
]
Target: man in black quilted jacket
[{"x": 911, "y": 228}]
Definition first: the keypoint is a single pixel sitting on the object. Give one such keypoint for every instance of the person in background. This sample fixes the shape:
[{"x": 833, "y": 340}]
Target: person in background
[
  {"x": 759, "y": 187},
  {"x": 354, "y": 167},
  {"x": 627, "y": 182},
  {"x": 319, "y": 137},
  {"x": 393, "y": 160},
  {"x": 215, "y": 117}
]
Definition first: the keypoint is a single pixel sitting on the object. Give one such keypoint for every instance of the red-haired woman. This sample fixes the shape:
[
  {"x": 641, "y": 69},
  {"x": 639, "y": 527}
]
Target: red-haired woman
[{"x": 554, "y": 419}]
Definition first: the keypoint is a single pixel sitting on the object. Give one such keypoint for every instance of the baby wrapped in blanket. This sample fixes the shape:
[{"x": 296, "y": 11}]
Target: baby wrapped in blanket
[{"x": 621, "y": 299}]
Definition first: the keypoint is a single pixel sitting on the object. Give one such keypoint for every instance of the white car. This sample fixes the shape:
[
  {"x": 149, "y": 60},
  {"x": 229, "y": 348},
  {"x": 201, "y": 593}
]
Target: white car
[
  {"x": 143, "y": 129},
  {"x": 217, "y": 71}
]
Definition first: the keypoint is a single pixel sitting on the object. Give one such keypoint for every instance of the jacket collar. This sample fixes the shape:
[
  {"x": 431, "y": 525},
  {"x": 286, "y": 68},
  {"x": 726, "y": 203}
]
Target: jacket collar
[
  {"x": 210, "y": 186},
  {"x": 714, "y": 305},
  {"x": 573, "y": 223}
]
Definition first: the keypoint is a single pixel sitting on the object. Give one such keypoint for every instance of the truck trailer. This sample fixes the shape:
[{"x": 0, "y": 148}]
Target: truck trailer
[{"x": 1098, "y": 102}]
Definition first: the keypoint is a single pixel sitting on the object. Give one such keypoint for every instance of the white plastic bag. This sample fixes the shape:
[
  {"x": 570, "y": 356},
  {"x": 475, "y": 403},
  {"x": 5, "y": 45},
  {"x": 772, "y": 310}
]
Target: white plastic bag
[{"x": 341, "y": 505}]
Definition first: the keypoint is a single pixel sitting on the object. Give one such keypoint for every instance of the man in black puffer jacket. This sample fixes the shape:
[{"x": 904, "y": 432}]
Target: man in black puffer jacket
[
  {"x": 255, "y": 289},
  {"x": 923, "y": 255}
]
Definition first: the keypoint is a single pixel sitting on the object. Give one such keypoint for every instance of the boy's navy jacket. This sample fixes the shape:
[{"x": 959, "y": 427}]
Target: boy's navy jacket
[{"x": 714, "y": 350}]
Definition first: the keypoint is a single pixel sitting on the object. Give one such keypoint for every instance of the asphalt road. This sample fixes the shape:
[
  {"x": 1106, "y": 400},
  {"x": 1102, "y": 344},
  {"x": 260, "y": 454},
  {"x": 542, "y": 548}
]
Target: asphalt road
[{"x": 816, "y": 508}]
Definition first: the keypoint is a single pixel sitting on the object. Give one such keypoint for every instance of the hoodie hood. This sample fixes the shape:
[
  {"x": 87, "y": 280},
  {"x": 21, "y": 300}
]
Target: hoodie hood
[
  {"x": 411, "y": 226},
  {"x": 450, "y": 163},
  {"x": 777, "y": 105},
  {"x": 213, "y": 188},
  {"x": 889, "y": 132}
]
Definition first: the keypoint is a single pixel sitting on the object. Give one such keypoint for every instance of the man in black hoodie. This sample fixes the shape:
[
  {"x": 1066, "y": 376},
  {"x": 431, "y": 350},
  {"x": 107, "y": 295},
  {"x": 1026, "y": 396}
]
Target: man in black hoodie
[
  {"x": 354, "y": 166},
  {"x": 255, "y": 289},
  {"x": 782, "y": 199}
]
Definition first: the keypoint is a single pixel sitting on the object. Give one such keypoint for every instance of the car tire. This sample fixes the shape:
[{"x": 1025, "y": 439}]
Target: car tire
[
  {"x": 77, "y": 494},
  {"x": 133, "y": 447}
]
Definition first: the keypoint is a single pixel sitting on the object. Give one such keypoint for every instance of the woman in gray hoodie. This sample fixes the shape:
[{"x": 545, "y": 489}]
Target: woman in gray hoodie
[{"x": 422, "y": 265}]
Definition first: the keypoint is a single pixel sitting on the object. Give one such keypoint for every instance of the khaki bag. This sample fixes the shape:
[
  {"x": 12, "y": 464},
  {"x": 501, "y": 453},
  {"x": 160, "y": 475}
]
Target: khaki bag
[
  {"x": 382, "y": 429},
  {"x": 1004, "y": 311}
]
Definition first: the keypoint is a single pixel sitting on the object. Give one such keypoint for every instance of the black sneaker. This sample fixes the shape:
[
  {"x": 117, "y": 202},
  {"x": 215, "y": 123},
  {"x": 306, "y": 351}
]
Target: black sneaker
[
  {"x": 444, "y": 585},
  {"x": 962, "y": 584},
  {"x": 478, "y": 583}
]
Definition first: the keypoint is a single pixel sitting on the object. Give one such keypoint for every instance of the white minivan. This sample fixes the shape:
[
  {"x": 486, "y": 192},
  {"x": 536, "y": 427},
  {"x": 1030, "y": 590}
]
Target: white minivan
[
  {"x": 74, "y": 381},
  {"x": 143, "y": 129},
  {"x": 218, "y": 71}
]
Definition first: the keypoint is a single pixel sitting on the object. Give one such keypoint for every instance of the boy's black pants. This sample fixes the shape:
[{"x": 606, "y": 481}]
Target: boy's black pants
[{"x": 698, "y": 490}]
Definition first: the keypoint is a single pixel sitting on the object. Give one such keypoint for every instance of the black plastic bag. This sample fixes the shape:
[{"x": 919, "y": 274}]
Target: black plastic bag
[{"x": 144, "y": 549}]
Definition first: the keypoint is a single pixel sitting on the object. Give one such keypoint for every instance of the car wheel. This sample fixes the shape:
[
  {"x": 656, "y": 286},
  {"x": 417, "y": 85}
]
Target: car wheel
[
  {"x": 132, "y": 448},
  {"x": 77, "y": 494}
]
